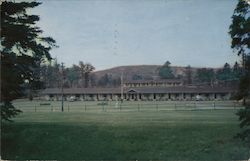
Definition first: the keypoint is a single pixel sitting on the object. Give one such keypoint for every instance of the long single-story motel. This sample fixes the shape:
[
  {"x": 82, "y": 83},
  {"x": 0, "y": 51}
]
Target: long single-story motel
[{"x": 164, "y": 90}]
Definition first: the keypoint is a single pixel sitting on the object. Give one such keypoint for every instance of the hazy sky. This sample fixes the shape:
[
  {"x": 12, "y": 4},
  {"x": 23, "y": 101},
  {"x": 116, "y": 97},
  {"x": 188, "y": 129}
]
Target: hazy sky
[{"x": 110, "y": 33}]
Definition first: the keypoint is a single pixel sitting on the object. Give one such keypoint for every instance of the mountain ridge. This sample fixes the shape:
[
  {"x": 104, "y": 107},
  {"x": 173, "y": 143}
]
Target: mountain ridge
[{"x": 146, "y": 71}]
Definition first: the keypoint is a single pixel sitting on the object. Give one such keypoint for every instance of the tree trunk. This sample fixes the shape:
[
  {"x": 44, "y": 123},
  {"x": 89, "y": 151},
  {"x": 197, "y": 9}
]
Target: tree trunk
[{"x": 86, "y": 75}]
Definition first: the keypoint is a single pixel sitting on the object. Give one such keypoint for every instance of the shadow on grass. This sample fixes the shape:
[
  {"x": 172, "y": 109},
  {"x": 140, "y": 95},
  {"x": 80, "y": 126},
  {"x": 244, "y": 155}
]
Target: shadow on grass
[{"x": 25, "y": 141}]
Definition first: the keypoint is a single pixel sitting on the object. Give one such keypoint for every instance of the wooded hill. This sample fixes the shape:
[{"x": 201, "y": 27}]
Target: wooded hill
[
  {"x": 146, "y": 72},
  {"x": 83, "y": 75}
]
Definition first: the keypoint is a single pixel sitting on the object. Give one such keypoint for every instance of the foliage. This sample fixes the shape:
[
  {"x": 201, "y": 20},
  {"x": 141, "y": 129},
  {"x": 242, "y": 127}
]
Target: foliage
[
  {"x": 188, "y": 74},
  {"x": 240, "y": 29},
  {"x": 8, "y": 111},
  {"x": 239, "y": 32},
  {"x": 85, "y": 70},
  {"x": 237, "y": 71},
  {"x": 137, "y": 77},
  {"x": 244, "y": 117},
  {"x": 105, "y": 80},
  {"x": 225, "y": 73},
  {"x": 205, "y": 75},
  {"x": 72, "y": 74},
  {"x": 165, "y": 72},
  {"x": 22, "y": 51},
  {"x": 50, "y": 75}
]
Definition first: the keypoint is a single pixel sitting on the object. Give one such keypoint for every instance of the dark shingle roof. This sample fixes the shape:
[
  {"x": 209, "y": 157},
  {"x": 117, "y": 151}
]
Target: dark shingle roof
[
  {"x": 156, "y": 81},
  {"x": 177, "y": 89},
  {"x": 182, "y": 89}
]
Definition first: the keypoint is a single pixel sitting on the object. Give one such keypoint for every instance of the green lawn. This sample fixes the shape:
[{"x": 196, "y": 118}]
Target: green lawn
[{"x": 124, "y": 135}]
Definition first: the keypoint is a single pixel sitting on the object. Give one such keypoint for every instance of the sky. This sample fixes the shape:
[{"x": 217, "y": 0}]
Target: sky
[{"x": 109, "y": 33}]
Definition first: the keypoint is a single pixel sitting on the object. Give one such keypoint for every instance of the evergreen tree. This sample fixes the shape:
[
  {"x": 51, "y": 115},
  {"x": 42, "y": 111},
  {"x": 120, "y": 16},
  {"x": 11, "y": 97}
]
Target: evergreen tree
[
  {"x": 23, "y": 49},
  {"x": 237, "y": 71},
  {"x": 205, "y": 75},
  {"x": 225, "y": 73},
  {"x": 239, "y": 32},
  {"x": 166, "y": 72},
  {"x": 73, "y": 75},
  {"x": 136, "y": 77},
  {"x": 105, "y": 80},
  {"x": 188, "y": 74}
]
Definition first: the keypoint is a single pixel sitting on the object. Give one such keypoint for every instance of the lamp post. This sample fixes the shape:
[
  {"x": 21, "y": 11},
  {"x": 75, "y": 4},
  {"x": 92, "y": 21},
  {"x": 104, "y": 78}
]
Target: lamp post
[
  {"x": 62, "y": 68},
  {"x": 122, "y": 87}
]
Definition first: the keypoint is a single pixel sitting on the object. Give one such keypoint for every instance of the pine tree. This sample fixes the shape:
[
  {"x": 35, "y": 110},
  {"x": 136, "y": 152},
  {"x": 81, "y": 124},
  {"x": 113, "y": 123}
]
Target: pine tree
[
  {"x": 239, "y": 31},
  {"x": 166, "y": 72},
  {"x": 22, "y": 51}
]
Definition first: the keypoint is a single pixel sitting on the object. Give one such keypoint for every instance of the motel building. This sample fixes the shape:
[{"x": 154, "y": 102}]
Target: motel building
[{"x": 163, "y": 90}]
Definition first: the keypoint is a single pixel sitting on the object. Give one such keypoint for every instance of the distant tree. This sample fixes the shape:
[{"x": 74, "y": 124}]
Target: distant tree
[
  {"x": 54, "y": 76},
  {"x": 22, "y": 51},
  {"x": 73, "y": 75},
  {"x": 225, "y": 73},
  {"x": 188, "y": 74},
  {"x": 136, "y": 77},
  {"x": 239, "y": 32},
  {"x": 50, "y": 75},
  {"x": 105, "y": 80},
  {"x": 165, "y": 72},
  {"x": 85, "y": 70},
  {"x": 116, "y": 82},
  {"x": 205, "y": 75},
  {"x": 237, "y": 71},
  {"x": 93, "y": 80}
]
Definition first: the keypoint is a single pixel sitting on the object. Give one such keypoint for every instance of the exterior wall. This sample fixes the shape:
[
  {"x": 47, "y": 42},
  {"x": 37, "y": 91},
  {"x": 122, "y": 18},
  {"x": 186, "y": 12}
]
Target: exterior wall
[
  {"x": 143, "y": 97},
  {"x": 46, "y": 97},
  {"x": 89, "y": 97},
  {"x": 109, "y": 97},
  {"x": 160, "y": 97},
  {"x": 164, "y": 97},
  {"x": 172, "y": 96},
  {"x": 227, "y": 96},
  {"x": 81, "y": 98},
  {"x": 211, "y": 96},
  {"x": 146, "y": 96},
  {"x": 188, "y": 97},
  {"x": 140, "y": 96},
  {"x": 153, "y": 84},
  {"x": 101, "y": 97},
  {"x": 218, "y": 96},
  {"x": 104, "y": 97}
]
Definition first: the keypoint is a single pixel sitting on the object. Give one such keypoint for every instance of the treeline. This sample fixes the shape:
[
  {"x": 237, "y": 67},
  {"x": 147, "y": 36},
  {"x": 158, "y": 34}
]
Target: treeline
[
  {"x": 224, "y": 76},
  {"x": 76, "y": 76},
  {"x": 204, "y": 76},
  {"x": 82, "y": 76}
]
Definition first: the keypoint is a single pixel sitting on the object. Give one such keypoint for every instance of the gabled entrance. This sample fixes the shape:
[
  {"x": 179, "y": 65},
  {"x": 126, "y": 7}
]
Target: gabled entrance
[{"x": 132, "y": 94}]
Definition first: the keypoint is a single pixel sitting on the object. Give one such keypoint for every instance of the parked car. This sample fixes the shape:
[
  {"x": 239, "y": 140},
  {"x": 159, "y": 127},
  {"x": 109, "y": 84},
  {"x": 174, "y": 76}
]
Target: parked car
[{"x": 72, "y": 99}]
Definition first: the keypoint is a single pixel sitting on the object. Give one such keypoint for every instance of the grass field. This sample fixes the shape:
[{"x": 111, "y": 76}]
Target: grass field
[{"x": 183, "y": 135}]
